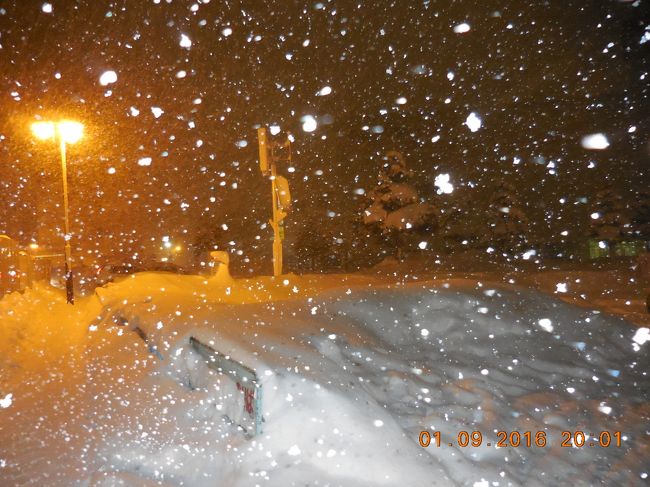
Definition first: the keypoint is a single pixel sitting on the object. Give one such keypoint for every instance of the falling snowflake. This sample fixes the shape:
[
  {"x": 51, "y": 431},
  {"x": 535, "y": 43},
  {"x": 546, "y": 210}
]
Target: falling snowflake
[
  {"x": 324, "y": 91},
  {"x": 309, "y": 123},
  {"x": 294, "y": 451},
  {"x": 473, "y": 122},
  {"x": 443, "y": 184},
  {"x": 595, "y": 142},
  {"x": 546, "y": 324},
  {"x": 185, "y": 41},
  {"x": 107, "y": 78},
  {"x": 6, "y": 402}
]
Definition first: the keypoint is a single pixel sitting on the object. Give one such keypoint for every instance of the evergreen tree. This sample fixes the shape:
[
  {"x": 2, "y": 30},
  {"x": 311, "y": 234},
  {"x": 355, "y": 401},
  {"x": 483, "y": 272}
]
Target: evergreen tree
[
  {"x": 609, "y": 218},
  {"x": 507, "y": 222},
  {"x": 640, "y": 220},
  {"x": 395, "y": 209}
]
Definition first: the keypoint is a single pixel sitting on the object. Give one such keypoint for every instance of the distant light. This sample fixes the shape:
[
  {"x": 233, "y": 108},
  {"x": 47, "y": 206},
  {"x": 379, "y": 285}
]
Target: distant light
[
  {"x": 178, "y": 248},
  {"x": 144, "y": 161},
  {"x": 134, "y": 111},
  {"x": 473, "y": 122},
  {"x": 377, "y": 129},
  {"x": 435, "y": 138},
  {"x": 33, "y": 246},
  {"x": 309, "y": 123},
  {"x": 595, "y": 216},
  {"x": 274, "y": 129},
  {"x": 111, "y": 170},
  {"x": 47, "y": 8},
  {"x": 450, "y": 75},
  {"x": 422, "y": 245},
  {"x": 107, "y": 78},
  {"x": 185, "y": 41},
  {"x": 401, "y": 100},
  {"x": 181, "y": 74},
  {"x": 241, "y": 143},
  {"x": 461, "y": 28},
  {"x": 595, "y": 142},
  {"x": 226, "y": 32},
  {"x": 324, "y": 91},
  {"x": 157, "y": 111}
]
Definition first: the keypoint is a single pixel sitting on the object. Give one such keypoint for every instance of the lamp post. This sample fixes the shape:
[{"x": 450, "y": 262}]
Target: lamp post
[{"x": 63, "y": 132}]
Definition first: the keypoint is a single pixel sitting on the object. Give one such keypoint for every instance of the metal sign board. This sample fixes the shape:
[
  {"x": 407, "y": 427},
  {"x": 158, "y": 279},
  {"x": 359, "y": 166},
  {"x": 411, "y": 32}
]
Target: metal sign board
[
  {"x": 245, "y": 378},
  {"x": 264, "y": 162}
]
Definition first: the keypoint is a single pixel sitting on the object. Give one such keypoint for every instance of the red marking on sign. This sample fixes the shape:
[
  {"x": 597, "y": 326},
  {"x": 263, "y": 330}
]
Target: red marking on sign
[{"x": 248, "y": 398}]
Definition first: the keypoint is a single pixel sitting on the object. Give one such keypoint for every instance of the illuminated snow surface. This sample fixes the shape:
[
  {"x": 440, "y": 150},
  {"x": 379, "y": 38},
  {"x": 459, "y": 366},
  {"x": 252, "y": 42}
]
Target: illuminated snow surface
[{"x": 352, "y": 371}]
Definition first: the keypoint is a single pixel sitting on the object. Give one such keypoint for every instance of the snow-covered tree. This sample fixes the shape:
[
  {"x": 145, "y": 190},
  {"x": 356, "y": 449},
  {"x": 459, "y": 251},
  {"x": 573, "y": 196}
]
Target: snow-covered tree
[
  {"x": 609, "y": 217},
  {"x": 395, "y": 208},
  {"x": 640, "y": 216},
  {"x": 507, "y": 222}
]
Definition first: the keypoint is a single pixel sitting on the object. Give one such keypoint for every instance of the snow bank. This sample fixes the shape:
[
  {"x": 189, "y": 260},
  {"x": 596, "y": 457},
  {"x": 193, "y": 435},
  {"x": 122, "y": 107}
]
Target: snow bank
[
  {"x": 38, "y": 326},
  {"x": 352, "y": 378}
]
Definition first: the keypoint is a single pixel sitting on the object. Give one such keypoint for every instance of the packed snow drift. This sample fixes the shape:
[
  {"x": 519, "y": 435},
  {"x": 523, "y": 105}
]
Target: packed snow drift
[{"x": 351, "y": 378}]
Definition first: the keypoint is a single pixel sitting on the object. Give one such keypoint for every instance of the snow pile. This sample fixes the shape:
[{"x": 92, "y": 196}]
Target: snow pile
[
  {"x": 351, "y": 379},
  {"x": 39, "y": 325}
]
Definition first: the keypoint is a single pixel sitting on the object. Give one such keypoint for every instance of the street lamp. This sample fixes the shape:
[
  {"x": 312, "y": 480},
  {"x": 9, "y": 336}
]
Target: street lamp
[{"x": 63, "y": 132}]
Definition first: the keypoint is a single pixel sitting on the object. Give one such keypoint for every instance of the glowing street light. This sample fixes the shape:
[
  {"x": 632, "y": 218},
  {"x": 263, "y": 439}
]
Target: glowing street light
[{"x": 63, "y": 132}]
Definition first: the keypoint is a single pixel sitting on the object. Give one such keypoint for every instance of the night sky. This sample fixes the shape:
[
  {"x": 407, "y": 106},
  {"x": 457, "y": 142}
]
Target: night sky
[{"x": 540, "y": 75}]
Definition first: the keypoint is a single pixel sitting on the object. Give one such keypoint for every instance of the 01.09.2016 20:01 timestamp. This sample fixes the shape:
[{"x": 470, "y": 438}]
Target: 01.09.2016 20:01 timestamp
[{"x": 527, "y": 439}]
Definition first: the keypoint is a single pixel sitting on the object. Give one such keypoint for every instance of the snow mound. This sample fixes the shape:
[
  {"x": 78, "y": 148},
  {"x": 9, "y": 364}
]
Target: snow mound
[{"x": 351, "y": 379}]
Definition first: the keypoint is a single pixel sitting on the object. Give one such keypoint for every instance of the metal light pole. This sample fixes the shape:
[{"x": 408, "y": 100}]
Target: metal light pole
[
  {"x": 280, "y": 196},
  {"x": 63, "y": 132}
]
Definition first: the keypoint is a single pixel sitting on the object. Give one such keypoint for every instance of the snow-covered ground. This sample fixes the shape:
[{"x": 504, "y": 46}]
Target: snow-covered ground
[{"x": 352, "y": 368}]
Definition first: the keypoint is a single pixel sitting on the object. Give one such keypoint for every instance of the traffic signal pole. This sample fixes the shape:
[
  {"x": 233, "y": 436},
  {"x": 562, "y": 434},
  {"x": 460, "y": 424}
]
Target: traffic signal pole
[{"x": 279, "y": 196}]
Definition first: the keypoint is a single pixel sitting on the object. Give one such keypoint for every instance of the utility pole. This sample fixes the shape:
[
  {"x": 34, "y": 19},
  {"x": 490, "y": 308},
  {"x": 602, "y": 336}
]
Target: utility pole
[{"x": 270, "y": 154}]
